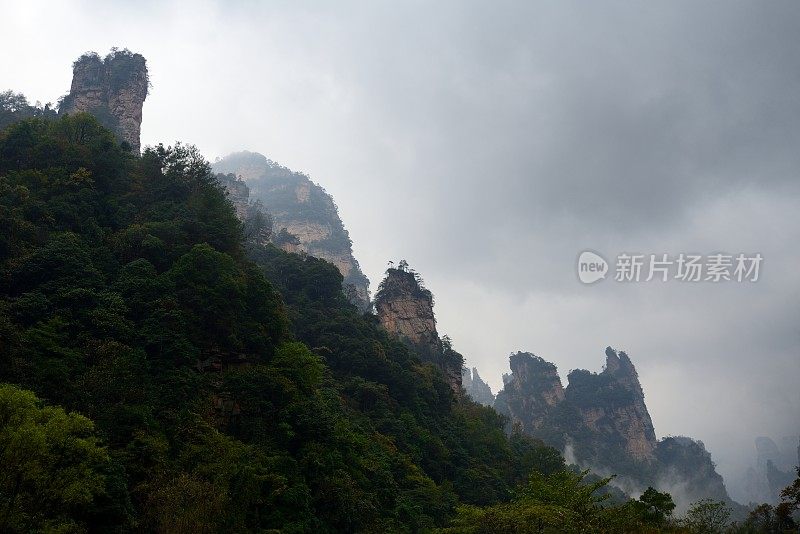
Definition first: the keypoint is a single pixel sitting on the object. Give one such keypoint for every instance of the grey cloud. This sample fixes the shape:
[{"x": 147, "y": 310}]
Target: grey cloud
[{"x": 489, "y": 143}]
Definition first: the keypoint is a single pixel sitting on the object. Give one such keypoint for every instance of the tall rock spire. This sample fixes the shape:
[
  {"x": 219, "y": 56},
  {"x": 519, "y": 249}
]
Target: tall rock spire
[
  {"x": 113, "y": 89},
  {"x": 532, "y": 391},
  {"x": 476, "y": 388},
  {"x": 405, "y": 309}
]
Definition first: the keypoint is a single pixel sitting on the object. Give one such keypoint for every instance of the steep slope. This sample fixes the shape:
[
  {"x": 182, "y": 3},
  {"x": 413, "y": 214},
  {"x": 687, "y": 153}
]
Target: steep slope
[
  {"x": 231, "y": 385},
  {"x": 229, "y": 394},
  {"x": 603, "y": 415},
  {"x": 256, "y": 222},
  {"x": 405, "y": 309},
  {"x": 530, "y": 393},
  {"x": 611, "y": 405},
  {"x": 304, "y": 215},
  {"x": 773, "y": 468}
]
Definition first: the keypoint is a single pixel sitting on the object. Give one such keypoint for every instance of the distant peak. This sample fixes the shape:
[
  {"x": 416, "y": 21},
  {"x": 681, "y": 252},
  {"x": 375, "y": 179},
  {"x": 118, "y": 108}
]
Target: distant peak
[{"x": 620, "y": 365}]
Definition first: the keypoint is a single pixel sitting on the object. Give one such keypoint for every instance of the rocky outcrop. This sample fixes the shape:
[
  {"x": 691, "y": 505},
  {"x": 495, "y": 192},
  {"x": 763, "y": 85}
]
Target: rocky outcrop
[
  {"x": 305, "y": 217},
  {"x": 405, "y": 309},
  {"x": 256, "y": 223},
  {"x": 602, "y": 421},
  {"x": 112, "y": 89},
  {"x": 685, "y": 469},
  {"x": 602, "y": 413},
  {"x": 773, "y": 469},
  {"x": 611, "y": 404},
  {"x": 238, "y": 193},
  {"x": 530, "y": 392},
  {"x": 476, "y": 388}
]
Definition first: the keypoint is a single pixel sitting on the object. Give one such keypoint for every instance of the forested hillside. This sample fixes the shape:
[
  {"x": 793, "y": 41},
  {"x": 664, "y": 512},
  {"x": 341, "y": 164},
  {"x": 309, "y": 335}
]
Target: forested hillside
[
  {"x": 305, "y": 217},
  {"x": 159, "y": 375},
  {"x": 216, "y": 393}
]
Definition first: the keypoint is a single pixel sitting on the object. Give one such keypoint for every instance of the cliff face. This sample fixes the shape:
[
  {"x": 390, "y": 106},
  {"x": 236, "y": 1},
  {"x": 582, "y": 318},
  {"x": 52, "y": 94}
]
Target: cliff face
[
  {"x": 772, "y": 470},
  {"x": 476, "y": 388},
  {"x": 405, "y": 309},
  {"x": 256, "y": 222},
  {"x": 611, "y": 404},
  {"x": 238, "y": 193},
  {"x": 112, "y": 89},
  {"x": 686, "y": 467},
  {"x": 602, "y": 414},
  {"x": 603, "y": 420},
  {"x": 305, "y": 218},
  {"x": 530, "y": 392}
]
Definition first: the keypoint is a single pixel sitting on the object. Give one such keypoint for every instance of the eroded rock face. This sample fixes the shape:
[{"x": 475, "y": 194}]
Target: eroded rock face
[
  {"x": 238, "y": 193},
  {"x": 304, "y": 215},
  {"x": 476, "y": 388},
  {"x": 602, "y": 420},
  {"x": 686, "y": 467},
  {"x": 773, "y": 470},
  {"x": 611, "y": 404},
  {"x": 602, "y": 412},
  {"x": 112, "y": 89},
  {"x": 530, "y": 392},
  {"x": 405, "y": 309}
]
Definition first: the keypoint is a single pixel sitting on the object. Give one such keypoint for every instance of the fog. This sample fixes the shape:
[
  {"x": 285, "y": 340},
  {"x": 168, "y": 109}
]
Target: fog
[{"x": 490, "y": 143}]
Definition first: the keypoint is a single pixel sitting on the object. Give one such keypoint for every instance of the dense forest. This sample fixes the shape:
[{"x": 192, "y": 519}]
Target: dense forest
[{"x": 161, "y": 374}]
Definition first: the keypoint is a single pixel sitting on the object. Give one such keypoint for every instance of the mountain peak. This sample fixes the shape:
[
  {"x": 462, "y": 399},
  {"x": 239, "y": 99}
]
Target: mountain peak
[
  {"x": 305, "y": 217},
  {"x": 113, "y": 89}
]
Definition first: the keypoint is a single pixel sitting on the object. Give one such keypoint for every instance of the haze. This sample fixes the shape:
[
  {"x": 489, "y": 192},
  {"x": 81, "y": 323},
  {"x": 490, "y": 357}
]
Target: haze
[{"x": 490, "y": 143}]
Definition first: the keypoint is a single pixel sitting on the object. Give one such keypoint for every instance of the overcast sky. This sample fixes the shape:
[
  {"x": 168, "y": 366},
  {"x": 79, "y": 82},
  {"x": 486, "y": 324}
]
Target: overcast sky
[{"x": 490, "y": 143}]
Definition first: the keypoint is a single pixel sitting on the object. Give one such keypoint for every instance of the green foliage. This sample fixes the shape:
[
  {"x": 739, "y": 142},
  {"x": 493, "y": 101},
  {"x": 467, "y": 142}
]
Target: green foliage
[
  {"x": 564, "y": 501},
  {"x": 779, "y": 518},
  {"x": 654, "y": 507},
  {"x": 706, "y": 516},
  {"x": 460, "y": 445},
  {"x": 55, "y": 473},
  {"x": 570, "y": 502},
  {"x": 782, "y": 518},
  {"x": 232, "y": 393},
  {"x": 588, "y": 388},
  {"x": 122, "y": 65},
  {"x": 15, "y": 107},
  {"x": 790, "y": 495},
  {"x": 761, "y": 519},
  {"x": 401, "y": 282}
]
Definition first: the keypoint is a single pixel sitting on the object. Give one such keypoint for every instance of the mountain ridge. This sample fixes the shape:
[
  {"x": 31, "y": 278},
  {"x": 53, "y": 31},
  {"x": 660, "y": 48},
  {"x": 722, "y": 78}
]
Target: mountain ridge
[
  {"x": 234, "y": 383},
  {"x": 305, "y": 217},
  {"x": 601, "y": 421}
]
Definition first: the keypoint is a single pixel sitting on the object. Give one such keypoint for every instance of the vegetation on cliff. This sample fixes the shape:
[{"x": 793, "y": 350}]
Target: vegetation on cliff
[
  {"x": 15, "y": 107},
  {"x": 113, "y": 89},
  {"x": 160, "y": 374},
  {"x": 305, "y": 216},
  {"x": 402, "y": 281},
  {"x": 222, "y": 393},
  {"x": 602, "y": 420}
]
